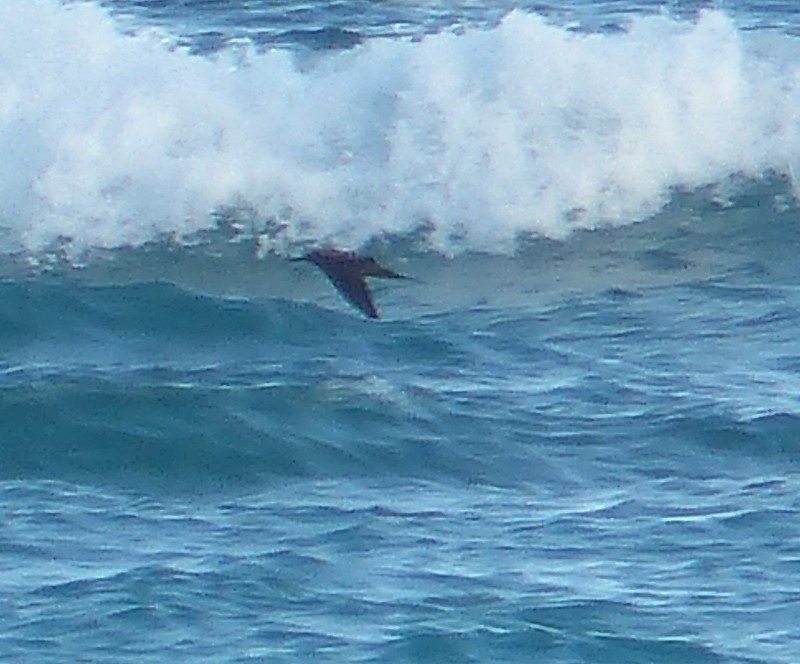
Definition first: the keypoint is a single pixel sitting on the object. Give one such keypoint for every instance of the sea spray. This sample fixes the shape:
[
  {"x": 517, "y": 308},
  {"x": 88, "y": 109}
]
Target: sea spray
[{"x": 526, "y": 128}]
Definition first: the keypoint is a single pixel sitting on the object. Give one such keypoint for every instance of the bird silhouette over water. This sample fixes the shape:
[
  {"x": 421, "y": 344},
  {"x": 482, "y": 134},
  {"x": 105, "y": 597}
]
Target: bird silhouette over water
[{"x": 347, "y": 271}]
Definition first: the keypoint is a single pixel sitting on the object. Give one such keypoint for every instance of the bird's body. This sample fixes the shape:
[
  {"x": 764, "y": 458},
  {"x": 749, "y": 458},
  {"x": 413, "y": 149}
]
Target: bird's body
[{"x": 347, "y": 271}]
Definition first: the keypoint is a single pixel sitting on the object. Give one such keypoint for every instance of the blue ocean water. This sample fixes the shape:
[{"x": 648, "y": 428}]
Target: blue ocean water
[{"x": 574, "y": 435}]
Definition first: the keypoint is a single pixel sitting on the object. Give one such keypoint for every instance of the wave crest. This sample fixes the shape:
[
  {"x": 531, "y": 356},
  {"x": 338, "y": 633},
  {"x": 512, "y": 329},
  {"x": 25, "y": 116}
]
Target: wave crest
[{"x": 526, "y": 128}]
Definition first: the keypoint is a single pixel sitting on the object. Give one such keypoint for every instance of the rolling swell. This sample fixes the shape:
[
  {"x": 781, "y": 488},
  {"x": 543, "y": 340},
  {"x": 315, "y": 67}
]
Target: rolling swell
[
  {"x": 149, "y": 384},
  {"x": 154, "y": 386}
]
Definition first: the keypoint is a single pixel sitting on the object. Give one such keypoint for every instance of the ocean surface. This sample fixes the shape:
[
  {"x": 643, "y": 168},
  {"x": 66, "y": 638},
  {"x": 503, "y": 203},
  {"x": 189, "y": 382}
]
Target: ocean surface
[{"x": 573, "y": 436}]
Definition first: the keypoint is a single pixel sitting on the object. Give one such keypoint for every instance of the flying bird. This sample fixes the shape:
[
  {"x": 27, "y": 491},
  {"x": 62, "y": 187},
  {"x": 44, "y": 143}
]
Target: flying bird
[{"x": 347, "y": 271}]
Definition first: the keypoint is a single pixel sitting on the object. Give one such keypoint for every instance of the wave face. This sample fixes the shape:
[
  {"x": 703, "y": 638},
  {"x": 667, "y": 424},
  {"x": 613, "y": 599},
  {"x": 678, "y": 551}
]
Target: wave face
[
  {"x": 157, "y": 388},
  {"x": 472, "y": 140},
  {"x": 564, "y": 474}
]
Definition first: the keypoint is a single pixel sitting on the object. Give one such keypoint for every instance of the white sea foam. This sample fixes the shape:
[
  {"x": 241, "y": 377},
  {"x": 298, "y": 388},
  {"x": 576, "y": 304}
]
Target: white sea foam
[{"x": 110, "y": 139}]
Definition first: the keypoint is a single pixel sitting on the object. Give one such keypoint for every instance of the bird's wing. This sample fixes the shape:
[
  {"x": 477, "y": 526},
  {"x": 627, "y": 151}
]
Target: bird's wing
[
  {"x": 386, "y": 273},
  {"x": 351, "y": 284}
]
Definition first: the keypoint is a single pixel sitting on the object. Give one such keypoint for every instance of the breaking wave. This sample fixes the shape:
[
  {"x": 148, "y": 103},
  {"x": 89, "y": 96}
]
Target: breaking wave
[{"x": 466, "y": 140}]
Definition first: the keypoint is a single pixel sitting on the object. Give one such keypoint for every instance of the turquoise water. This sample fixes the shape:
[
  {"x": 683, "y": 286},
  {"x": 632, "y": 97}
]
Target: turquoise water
[{"x": 573, "y": 435}]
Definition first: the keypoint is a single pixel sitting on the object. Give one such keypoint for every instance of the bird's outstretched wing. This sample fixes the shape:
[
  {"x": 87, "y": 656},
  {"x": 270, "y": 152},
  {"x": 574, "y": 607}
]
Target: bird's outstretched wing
[{"x": 352, "y": 285}]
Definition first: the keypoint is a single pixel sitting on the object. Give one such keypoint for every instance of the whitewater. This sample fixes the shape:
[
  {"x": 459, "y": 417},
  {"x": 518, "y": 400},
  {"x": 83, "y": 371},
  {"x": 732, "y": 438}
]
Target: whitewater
[
  {"x": 471, "y": 139},
  {"x": 572, "y": 436}
]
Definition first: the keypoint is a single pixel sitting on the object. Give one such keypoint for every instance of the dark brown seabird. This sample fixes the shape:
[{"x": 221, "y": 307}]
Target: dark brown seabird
[{"x": 348, "y": 271}]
